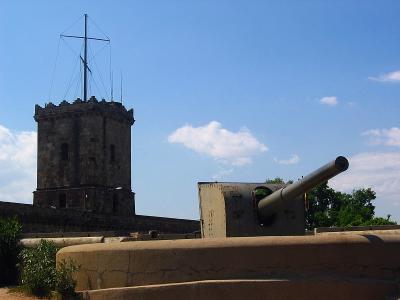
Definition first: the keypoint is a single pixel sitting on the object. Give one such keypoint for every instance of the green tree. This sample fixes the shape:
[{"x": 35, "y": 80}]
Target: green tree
[
  {"x": 323, "y": 204},
  {"x": 277, "y": 180},
  {"x": 356, "y": 209},
  {"x": 380, "y": 221},
  {"x": 327, "y": 207}
]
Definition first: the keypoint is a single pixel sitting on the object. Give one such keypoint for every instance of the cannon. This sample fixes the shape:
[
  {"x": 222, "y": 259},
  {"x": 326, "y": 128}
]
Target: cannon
[{"x": 229, "y": 209}]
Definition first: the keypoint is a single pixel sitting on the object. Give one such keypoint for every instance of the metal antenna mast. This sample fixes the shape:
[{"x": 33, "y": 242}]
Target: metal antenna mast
[
  {"x": 84, "y": 59},
  {"x": 112, "y": 86},
  {"x": 85, "y": 64},
  {"x": 121, "y": 87}
]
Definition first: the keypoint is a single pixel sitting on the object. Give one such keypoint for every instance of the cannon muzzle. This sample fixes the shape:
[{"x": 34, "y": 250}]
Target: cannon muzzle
[{"x": 278, "y": 200}]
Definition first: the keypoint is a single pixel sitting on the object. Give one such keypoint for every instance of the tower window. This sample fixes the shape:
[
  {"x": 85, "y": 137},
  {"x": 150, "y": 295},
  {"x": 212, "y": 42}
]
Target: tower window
[
  {"x": 115, "y": 203},
  {"x": 64, "y": 151},
  {"x": 62, "y": 200},
  {"x": 112, "y": 152}
]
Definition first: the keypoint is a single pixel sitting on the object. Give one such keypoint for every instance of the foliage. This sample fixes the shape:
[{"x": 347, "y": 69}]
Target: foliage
[
  {"x": 9, "y": 249},
  {"x": 380, "y": 221},
  {"x": 277, "y": 180},
  {"x": 38, "y": 272},
  {"x": 320, "y": 200},
  {"x": 65, "y": 283},
  {"x": 327, "y": 207}
]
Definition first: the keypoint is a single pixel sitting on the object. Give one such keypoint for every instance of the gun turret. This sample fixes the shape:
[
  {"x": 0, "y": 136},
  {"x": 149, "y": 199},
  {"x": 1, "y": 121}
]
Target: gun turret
[
  {"x": 253, "y": 209},
  {"x": 278, "y": 200}
]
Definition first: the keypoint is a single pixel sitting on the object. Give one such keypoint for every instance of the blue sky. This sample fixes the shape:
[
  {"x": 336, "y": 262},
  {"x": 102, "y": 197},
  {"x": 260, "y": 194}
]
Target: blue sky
[{"x": 222, "y": 90}]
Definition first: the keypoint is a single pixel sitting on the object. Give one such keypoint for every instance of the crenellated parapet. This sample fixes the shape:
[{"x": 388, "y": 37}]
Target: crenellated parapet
[{"x": 79, "y": 107}]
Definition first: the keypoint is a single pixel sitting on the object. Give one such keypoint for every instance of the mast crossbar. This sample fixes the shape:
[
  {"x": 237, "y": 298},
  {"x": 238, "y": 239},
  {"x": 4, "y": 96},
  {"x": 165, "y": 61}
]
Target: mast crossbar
[{"x": 82, "y": 37}]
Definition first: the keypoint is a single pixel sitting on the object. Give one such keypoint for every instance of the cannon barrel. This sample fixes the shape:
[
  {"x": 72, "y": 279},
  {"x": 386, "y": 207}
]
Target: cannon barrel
[{"x": 280, "y": 198}]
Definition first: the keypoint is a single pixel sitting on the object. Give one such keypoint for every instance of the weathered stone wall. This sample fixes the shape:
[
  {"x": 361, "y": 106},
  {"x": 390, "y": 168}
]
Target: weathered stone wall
[
  {"x": 118, "y": 172},
  {"x": 84, "y": 157},
  {"x": 40, "y": 219}
]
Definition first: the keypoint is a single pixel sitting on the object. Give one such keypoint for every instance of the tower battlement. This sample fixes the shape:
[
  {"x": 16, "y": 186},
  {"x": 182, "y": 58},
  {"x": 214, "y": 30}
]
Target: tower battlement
[{"x": 111, "y": 109}]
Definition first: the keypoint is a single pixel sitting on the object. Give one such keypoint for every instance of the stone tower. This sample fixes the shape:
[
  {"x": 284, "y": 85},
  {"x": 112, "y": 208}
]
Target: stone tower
[{"x": 84, "y": 157}]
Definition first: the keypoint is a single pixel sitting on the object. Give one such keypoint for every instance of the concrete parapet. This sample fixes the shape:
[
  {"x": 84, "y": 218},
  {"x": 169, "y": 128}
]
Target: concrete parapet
[
  {"x": 342, "y": 257},
  {"x": 44, "y": 235},
  {"x": 62, "y": 242},
  {"x": 68, "y": 240},
  {"x": 276, "y": 289},
  {"x": 379, "y": 232},
  {"x": 355, "y": 229}
]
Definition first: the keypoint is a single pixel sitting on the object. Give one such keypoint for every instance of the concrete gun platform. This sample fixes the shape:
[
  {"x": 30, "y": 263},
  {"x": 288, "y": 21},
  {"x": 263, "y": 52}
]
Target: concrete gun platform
[{"x": 296, "y": 267}]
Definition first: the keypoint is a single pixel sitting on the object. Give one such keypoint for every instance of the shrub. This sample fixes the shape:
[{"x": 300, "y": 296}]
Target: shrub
[
  {"x": 39, "y": 273},
  {"x": 65, "y": 283},
  {"x": 38, "y": 268},
  {"x": 9, "y": 250}
]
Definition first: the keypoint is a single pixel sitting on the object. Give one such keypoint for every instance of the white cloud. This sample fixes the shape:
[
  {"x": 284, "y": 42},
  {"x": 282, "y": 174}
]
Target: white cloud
[
  {"x": 388, "y": 77},
  {"x": 17, "y": 165},
  {"x": 222, "y": 173},
  {"x": 331, "y": 101},
  {"x": 234, "y": 148},
  {"x": 294, "y": 159},
  {"x": 387, "y": 137},
  {"x": 379, "y": 171}
]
